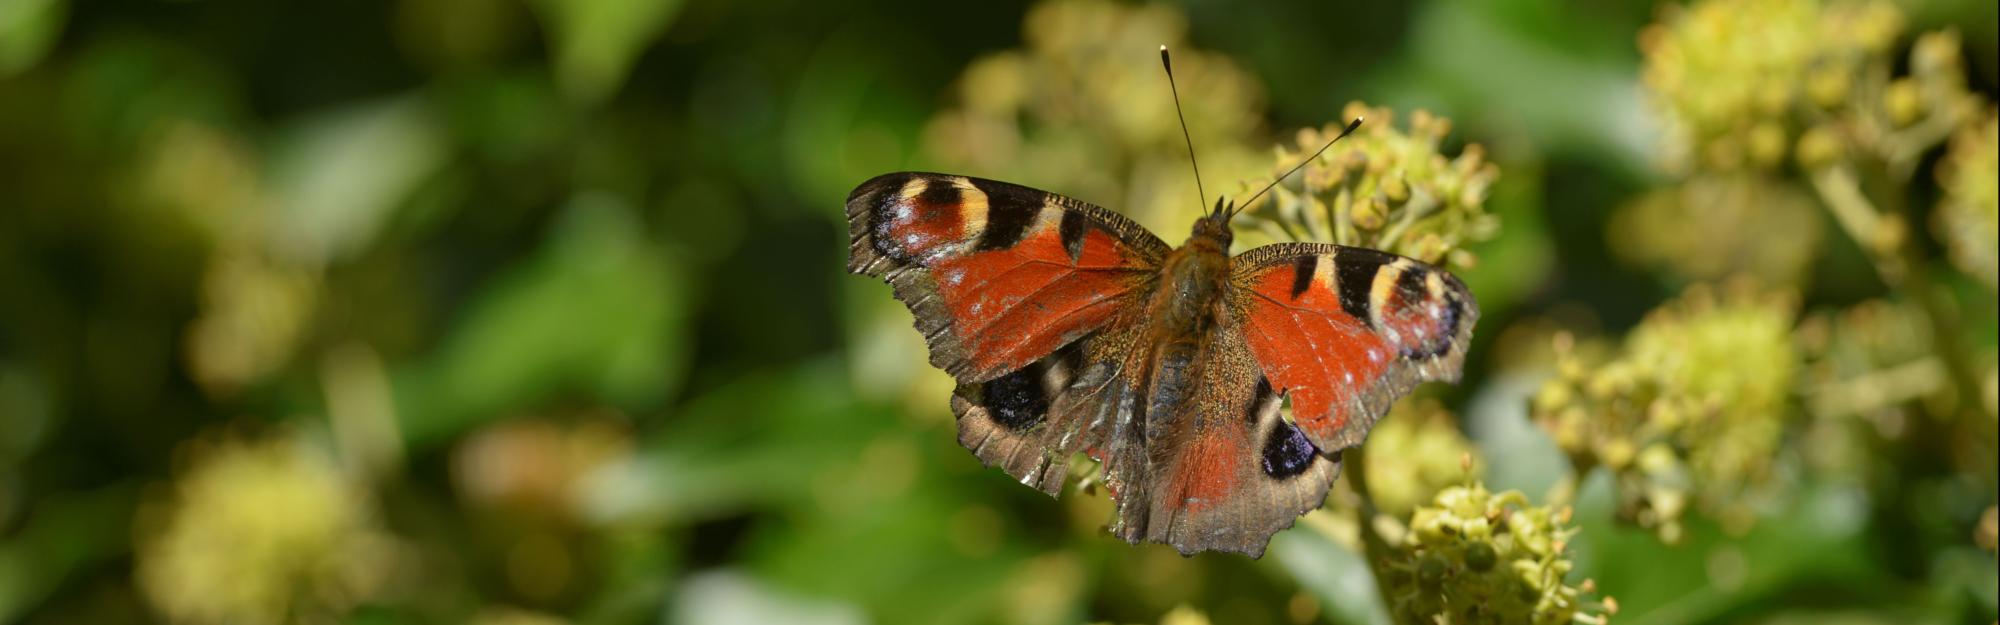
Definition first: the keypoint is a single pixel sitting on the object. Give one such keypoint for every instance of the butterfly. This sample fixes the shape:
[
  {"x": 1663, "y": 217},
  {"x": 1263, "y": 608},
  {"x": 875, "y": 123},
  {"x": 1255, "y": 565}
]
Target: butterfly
[{"x": 1072, "y": 329}]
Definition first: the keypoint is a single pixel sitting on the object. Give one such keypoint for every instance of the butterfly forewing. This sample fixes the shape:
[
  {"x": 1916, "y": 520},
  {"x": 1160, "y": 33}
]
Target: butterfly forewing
[{"x": 998, "y": 275}]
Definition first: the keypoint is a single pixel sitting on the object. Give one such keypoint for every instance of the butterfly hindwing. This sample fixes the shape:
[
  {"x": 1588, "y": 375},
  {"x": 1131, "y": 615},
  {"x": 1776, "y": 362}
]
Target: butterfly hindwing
[
  {"x": 998, "y": 275},
  {"x": 1030, "y": 422},
  {"x": 1344, "y": 331},
  {"x": 1227, "y": 471}
]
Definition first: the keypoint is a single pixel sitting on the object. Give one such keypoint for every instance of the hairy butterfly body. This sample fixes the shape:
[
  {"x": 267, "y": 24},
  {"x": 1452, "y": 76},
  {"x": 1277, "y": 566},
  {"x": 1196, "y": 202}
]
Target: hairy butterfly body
[{"x": 1071, "y": 329}]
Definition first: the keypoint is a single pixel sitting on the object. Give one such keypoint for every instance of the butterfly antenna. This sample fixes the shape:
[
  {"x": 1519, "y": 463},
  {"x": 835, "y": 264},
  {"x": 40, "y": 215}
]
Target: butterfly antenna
[
  {"x": 1295, "y": 168},
  {"x": 1169, "y": 65}
]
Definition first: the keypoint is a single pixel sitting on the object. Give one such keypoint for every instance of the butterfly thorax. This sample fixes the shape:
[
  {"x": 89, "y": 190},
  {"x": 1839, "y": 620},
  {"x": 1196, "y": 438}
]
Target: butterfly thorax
[
  {"x": 1191, "y": 282},
  {"x": 1184, "y": 309}
]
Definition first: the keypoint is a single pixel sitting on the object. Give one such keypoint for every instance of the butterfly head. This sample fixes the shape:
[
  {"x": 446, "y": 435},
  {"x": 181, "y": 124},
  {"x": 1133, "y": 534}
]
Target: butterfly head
[{"x": 1212, "y": 229}]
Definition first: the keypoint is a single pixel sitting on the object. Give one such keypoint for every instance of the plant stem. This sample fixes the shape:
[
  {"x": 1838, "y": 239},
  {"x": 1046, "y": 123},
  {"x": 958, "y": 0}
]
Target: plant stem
[
  {"x": 1375, "y": 549},
  {"x": 1903, "y": 267},
  {"x": 1842, "y": 195}
]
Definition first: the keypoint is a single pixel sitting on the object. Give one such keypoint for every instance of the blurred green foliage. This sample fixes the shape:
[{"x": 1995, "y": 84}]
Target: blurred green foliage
[{"x": 532, "y": 311}]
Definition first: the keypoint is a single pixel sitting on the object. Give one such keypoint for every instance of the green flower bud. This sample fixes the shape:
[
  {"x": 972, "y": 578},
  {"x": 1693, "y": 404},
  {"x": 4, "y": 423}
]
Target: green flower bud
[
  {"x": 1819, "y": 147},
  {"x": 1396, "y": 189},
  {"x": 1480, "y": 557},
  {"x": 1767, "y": 144},
  {"x": 1829, "y": 85},
  {"x": 1904, "y": 100},
  {"x": 1368, "y": 214}
]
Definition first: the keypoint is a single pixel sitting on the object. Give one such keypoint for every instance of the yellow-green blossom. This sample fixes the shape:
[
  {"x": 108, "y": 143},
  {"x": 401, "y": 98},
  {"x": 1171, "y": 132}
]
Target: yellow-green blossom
[
  {"x": 1988, "y": 534},
  {"x": 1694, "y": 405},
  {"x": 1084, "y": 109},
  {"x": 536, "y": 468},
  {"x": 1415, "y": 452},
  {"x": 1731, "y": 77},
  {"x": 1712, "y": 227},
  {"x": 255, "y": 311},
  {"x": 1184, "y": 615},
  {"x": 260, "y": 531},
  {"x": 1868, "y": 358},
  {"x": 1383, "y": 187},
  {"x": 1865, "y": 367},
  {"x": 516, "y": 616},
  {"x": 1968, "y": 218},
  {"x": 1753, "y": 84},
  {"x": 1473, "y": 556}
]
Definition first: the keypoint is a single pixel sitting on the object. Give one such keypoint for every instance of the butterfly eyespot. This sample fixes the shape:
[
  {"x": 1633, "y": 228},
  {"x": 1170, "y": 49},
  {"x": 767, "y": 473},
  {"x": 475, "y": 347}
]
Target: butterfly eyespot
[
  {"x": 1287, "y": 452},
  {"x": 1016, "y": 400}
]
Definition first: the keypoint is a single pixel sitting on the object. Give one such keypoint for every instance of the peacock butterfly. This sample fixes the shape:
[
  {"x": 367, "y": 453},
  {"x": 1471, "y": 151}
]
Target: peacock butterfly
[{"x": 1070, "y": 328}]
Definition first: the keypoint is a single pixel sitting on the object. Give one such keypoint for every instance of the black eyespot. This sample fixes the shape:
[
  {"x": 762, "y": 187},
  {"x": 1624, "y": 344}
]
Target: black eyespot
[
  {"x": 1016, "y": 401},
  {"x": 1287, "y": 452}
]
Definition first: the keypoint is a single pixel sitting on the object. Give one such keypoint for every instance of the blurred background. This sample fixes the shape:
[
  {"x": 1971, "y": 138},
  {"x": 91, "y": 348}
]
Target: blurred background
[{"x": 533, "y": 311}]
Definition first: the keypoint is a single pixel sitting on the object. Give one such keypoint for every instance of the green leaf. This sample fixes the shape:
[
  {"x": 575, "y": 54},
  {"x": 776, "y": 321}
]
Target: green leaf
[
  {"x": 1811, "y": 543},
  {"x": 595, "y": 41},
  {"x": 28, "y": 29},
  {"x": 68, "y": 534},
  {"x": 1339, "y": 578},
  {"x": 339, "y": 175},
  {"x": 599, "y": 311}
]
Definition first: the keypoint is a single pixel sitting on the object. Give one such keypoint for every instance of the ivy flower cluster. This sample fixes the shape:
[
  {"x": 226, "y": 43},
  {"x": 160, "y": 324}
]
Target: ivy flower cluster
[
  {"x": 1416, "y": 452},
  {"x": 1472, "y": 556},
  {"x": 1968, "y": 218},
  {"x": 1384, "y": 187},
  {"x": 1060, "y": 113},
  {"x": 1690, "y": 410},
  {"x": 260, "y": 530},
  {"x": 1753, "y": 84}
]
